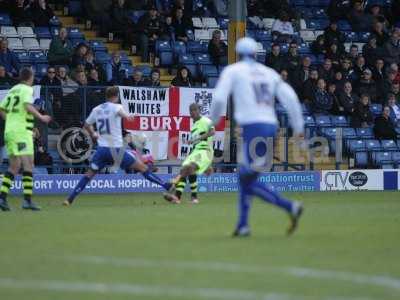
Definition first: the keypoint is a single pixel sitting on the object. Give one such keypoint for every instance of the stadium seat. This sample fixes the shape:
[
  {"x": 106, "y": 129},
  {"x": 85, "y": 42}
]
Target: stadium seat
[
  {"x": 24, "y": 57},
  {"x": 304, "y": 49},
  {"x": 179, "y": 48},
  {"x": 344, "y": 25},
  {"x": 102, "y": 57},
  {"x": 323, "y": 121},
  {"x": 365, "y": 133},
  {"x": 186, "y": 59},
  {"x": 97, "y": 46},
  {"x": 223, "y": 23},
  {"x": 163, "y": 46},
  {"x": 9, "y": 32},
  {"x": 193, "y": 70},
  {"x": 340, "y": 121},
  {"x": 382, "y": 157},
  {"x": 201, "y": 35},
  {"x": 210, "y": 23},
  {"x": 38, "y": 57},
  {"x": 350, "y": 36},
  {"x": 43, "y": 33},
  {"x": 124, "y": 58},
  {"x": 307, "y": 35},
  {"x": 41, "y": 70},
  {"x": 55, "y": 31},
  {"x": 396, "y": 158},
  {"x": 197, "y": 22},
  {"x": 356, "y": 145},
  {"x": 376, "y": 109},
  {"x": 212, "y": 81},
  {"x": 363, "y": 37},
  {"x": 361, "y": 159},
  {"x": 317, "y": 24},
  {"x": 15, "y": 44},
  {"x": 203, "y": 59},
  {"x": 319, "y": 13},
  {"x": 373, "y": 145},
  {"x": 145, "y": 69},
  {"x": 75, "y": 33},
  {"x": 194, "y": 47},
  {"x": 31, "y": 44},
  {"x": 5, "y": 20},
  {"x": 263, "y": 35},
  {"x": 329, "y": 133},
  {"x": 44, "y": 44},
  {"x": 389, "y": 145},
  {"x": 208, "y": 71},
  {"x": 190, "y": 34},
  {"x": 309, "y": 121},
  {"x": 55, "y": 22},
  {"x": 26, "y": 32}
]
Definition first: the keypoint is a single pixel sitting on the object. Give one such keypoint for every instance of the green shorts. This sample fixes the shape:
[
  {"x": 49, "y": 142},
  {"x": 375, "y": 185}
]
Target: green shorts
[
  {"x": 202, "y": 158},
  {"x": 18, "y": 144}
]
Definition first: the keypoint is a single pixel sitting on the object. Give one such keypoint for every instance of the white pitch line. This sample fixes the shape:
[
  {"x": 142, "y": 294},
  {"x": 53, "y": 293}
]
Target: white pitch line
[
  {"x": 141, "y": 290},
  {"x": 362, "y": 279}
]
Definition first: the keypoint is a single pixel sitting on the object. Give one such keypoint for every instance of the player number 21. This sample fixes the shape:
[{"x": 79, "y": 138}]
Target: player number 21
[{"x": 104, "y": 126}]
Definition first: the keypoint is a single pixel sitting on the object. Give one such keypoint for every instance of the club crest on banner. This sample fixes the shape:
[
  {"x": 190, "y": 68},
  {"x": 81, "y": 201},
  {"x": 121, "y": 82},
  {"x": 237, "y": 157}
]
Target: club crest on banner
[{"x": 203, "y": 99}]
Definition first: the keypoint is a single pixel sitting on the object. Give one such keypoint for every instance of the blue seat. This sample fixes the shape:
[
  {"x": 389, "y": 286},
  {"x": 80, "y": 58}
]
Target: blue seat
[
  {"x": 163, "y": 46},
  {"x": 350, "y": 36},
  {"x": 24, "y": 57},
  {"x": 329, "y": 132},
  {"x": 38, "y": 57},
  {"x": 376, "y": 109},
  {"x": 318, "y": 24},
  {"x": 304, "y": 49},
  {"x": 363, "y": 37},
  {"x": 365, "y": 133},
  {"x": 190, "y": 35},
  {"x": 212, "y": 81},
  {"x": 223, "y": 23},
  {"x": 41, "y": 69},
  {"x": 5, "y": 20},
  {"x": 75, "y": 33},
  {"x": 75, "y": 8},
  {"x": 309, "y": 121},
  {"x": 97, "y": 46},
  {"x": 193, "y": 70},
  {"x": 373, "y": 145},
  {"x": 208, "y": 71},
  {"x": 361, "y": 159},
  {"x": 340, "y": 121},
  {"x": 166, "y": 58},
  {"x": 203, "y": 59},
  {"x": 263, "y": 35},
  {"x": 381, "y": 157},
  {"x": 179, "y": 48},
  {"x": 145, "y": 69},
  {"x": 186, "y": 59},
  {"x": 102, "y": 57},
  {"x": 55, "y": 22},
  {"x": 260, "y": 58},
  {"x": 319, "y": 13},
  {"x": 42, "y": 33},
  {"x": 344, "y": 25},
  {"x": 323, "y": 121},
  {"x": 349, "y": 133},
  {"x": 194, "y": 47},
  {"x": 389, "y": 145},
  {"x": 396, "y": 157},
  {"x": 356, "y": 145},
  {"x": 76, "y": 42},
  {"x": 124, "y": 58}
]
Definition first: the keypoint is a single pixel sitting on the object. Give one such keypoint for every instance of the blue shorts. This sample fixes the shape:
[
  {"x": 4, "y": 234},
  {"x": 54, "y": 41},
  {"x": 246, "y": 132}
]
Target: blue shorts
[
  {"x": 105, "y": 156},
  {"x": 256, "y": 139}
]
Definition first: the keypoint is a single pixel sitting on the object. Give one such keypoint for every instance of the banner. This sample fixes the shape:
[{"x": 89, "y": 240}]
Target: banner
[
  {"x": 135, "y": 183},
  {"x": 343, "y": 180},
  {"x": 164, "y": 114},
  {"x": 36, "y": 93}
]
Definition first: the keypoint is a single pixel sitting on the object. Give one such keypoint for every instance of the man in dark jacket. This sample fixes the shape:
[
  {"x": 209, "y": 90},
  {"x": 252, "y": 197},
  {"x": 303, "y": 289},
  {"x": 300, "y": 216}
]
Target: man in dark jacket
[
  {"x": 322, "y": 102},
  {"x": 135, "y": 80},
  {"x": 8, "y": 59},
  {"x": 275, "y": 59},
  {"x": 300, "y": 75},
  {"x": 362, "y": 116},
  {"x": 348, "y": 99},
  {"x": 217, "y": 49},
  {"x": 384, "y": 128},
  {"x": 293, "y": 59},
  {"x": 61, "y": 50},
  {"x": 333, "y": 35},
  {"x": 41, "y": 13},
  {"x": 366, "y": 85},
  {"x": 310, "y": 85},
  {"x": 391, "y": 49},
  {"x": 150, "y": 27},
  {"x": 181, "y": 25}
]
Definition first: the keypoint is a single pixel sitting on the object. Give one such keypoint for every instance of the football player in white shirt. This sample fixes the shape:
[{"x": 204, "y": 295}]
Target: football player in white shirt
[
  {"x": 254, "y": 88},
  {"x": 108, "y": 119}
]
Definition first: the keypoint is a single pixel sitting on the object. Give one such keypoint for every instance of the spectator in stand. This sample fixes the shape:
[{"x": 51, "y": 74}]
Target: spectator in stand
[
  {"x": 293, "y": 59},
  {"x": 337, "y": 108},
  {"x": 354, "y": 53},
  {"x": 181, "y": 26},
  {"x": 378, "y": 75},
  {"x": 20, "y": 13},
  {"x": 167, "y": 30},
  {"x": 367, "y": 86},
  {"x": 379, "y": 33},
  {"x": 150, "y": 27},
  {"x": 182, "y": 78},
  {"x": 359, "y": 68},
  {"x": 318, "y": 46},
  {"x": 79, "y": 55},
  {"x": 338, "y": 9},
  {"x": 53, "y": 89},
  {"x": 326, "y": 71},
  {"x": 6, "y": 81},
  {"x": 310, "y": 86},
  {"x": 218, "y": 50},
  {"x": 384, "y": 128},
  {"x": 8, "y": 59},
  {"x": 371, "y": 52},
  {"x": 322, "y": 102},
  {"x": 378, "y": 14},
  {"x": 346, "y": 68},
  {"x": 115, "y": 71},
  {"x": 395, "y": 90},
  {"x": 60, "y": 52},
  {"x": 94, "y": 78},
  {"x": 299, "y": 76},
  {"x": 119, "y": 18},
  {"x": 69, "y": 86},
  {"x": 388, "y": 82},
  {"x": 275, "y": 59},
  {"x": 334, "y": 54},
  {"x": 135, "y": 80},
  {"x": 282, "y": 29},
  {"x": 348, "y": 99},
  {"x": 41, "y": 13},
  {"x": 394, "y": 109},
  {"x": 284, "y": 75},
  {"x": 362, "y": 116},
  {"x": 395, "y": 68},
  {"x": 69, "y": 100},
  {"x": 359, "y": 19},
  {"x": 91, "y": 64},
  {"x": 338, "y": 80},
  {"x": 332, "y": 35},
  {"x": 391, "y": 49},
  {"x": 154, "y": 80}
]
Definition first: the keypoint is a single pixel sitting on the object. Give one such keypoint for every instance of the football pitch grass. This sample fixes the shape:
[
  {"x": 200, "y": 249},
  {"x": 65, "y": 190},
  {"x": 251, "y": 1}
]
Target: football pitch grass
[{"x": 137, "y": 246}]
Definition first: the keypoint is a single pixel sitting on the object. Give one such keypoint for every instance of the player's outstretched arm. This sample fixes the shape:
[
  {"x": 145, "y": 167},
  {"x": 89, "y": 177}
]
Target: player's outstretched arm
[
  {"x": 288, "y": 98},
  {"x": 31, "y": 109}
]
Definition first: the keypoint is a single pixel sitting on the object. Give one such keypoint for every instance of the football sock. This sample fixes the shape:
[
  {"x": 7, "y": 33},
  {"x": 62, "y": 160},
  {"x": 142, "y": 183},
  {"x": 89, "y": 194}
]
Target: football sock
[
  {"x": 193, "y": 185},
  {"x": 27, "y": 183},
  {"x": 150, "y": 176},
  {"x": 180, "y": 186},
  {"x": 79, "y": 188},
  {"x": 8, "y": 178}
]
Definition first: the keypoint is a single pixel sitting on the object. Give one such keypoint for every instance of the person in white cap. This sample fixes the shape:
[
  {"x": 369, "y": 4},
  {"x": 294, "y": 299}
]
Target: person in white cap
[{"x": 254, "y": 87}]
